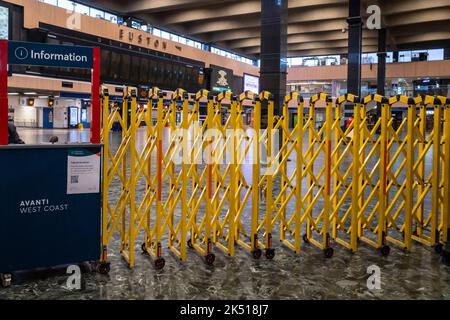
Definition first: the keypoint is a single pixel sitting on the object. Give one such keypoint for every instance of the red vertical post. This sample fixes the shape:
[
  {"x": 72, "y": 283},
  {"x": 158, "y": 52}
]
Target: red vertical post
[
  {"x": 95, "y": 105},
  {"x": 3, "y": 92}
]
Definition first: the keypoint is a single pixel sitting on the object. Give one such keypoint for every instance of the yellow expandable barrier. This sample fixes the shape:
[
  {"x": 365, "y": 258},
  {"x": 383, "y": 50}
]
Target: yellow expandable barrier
[
  {"x": 318, "y": 205},
  {"x": 223, "y": 184}
]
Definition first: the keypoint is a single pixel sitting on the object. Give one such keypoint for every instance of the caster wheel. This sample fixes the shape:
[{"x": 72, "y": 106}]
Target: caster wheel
[
  {"x": 446, "y": 257},
  {"x": 438, "y": 248},
  {"x": 189, "y": 244},
  {"x": 6, "y": 280},
  {"x": 328, "y": 252},
  {"x": 210, "y": 258},
  {"x": 160, "y": 263},
  {"x": 305, "y": 238},
  {"x": 144, "y": 248},
  {"x": 385, "y": 251},
  {"x": 256, "y": 254},
  {"x": 270, "y": 254},
  {"x": 104, "y": 268}
]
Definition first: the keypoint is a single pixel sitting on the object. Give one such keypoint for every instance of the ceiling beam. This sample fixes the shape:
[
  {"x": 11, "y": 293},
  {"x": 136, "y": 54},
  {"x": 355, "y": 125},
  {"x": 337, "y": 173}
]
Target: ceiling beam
[{"x": 299, "y": 38}]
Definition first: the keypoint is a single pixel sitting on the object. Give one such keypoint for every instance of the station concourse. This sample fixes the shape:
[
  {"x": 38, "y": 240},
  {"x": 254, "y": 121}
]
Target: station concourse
[{"x": 225, "y": 150}]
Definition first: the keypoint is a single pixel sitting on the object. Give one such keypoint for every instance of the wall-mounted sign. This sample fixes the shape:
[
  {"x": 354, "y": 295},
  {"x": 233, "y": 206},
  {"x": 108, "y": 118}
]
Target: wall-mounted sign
[
  {"x": 221, "y": 79},
  {"x": 144, "y": 40},
  {"x": 39, "y": 54},
  {"x": 251, "y": 83}
]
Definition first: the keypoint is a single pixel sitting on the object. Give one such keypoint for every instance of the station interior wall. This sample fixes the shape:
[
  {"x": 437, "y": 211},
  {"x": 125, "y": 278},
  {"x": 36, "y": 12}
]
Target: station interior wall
[{"x": 32, "y": 116}]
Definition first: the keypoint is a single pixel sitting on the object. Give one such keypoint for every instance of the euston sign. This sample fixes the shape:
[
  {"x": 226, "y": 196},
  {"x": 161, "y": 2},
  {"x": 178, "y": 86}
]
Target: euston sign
[{"x": 39, "y": 54}]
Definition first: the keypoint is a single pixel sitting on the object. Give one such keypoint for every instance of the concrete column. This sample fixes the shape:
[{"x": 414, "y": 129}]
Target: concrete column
[
  {"x": 273, "y": 69},
  {"x": 447, "y": 54},
  {"x": 381, "y": 75},
  {"x": 354, "y": 47}
]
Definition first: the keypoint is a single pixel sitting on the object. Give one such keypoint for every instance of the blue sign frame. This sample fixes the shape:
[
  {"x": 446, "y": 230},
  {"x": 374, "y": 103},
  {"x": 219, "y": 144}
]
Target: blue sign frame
[{"x": 49, "y": 55}]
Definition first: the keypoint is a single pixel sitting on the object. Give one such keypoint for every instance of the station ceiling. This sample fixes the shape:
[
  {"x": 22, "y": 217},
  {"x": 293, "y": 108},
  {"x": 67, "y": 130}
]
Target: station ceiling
[{"x": 315, "y": 27}]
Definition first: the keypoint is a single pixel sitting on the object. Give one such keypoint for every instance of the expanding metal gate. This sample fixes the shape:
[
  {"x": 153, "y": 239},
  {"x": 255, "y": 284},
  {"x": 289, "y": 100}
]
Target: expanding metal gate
[{"x": 174, "y": 182}]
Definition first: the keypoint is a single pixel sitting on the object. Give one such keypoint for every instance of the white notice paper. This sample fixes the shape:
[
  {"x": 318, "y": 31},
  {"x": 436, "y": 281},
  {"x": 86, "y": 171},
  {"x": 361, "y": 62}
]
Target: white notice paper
[{"x": 83, "y": 172}]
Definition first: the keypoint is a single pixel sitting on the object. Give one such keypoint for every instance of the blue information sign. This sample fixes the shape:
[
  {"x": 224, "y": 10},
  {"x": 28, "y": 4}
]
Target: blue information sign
[{"x": 39, "y": 54}]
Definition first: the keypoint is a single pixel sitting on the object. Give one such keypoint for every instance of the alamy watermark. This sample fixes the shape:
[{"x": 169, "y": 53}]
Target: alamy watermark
[
  {"x": 374, "y": 280},
  {"x": 74, "y": 280},
  {"x": 230, "y": 146},
  {"x": 374, "y": 20}
]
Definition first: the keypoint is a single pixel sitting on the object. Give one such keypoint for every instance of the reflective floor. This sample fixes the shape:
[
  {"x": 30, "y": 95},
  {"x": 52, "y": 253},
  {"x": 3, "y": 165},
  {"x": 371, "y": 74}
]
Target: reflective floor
[
  {"x": 415, "y": 275},
  {"x": 38, "y": 136}
]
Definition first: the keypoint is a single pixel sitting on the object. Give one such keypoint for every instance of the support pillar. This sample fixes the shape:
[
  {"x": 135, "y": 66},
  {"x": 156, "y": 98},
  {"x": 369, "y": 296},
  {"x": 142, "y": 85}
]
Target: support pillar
[
  {"x": 273, "y": 69},
  {"x": 447, "y": 54},
  {"x": 354, "y": 47},
  {"x": 381, "y": 75}
]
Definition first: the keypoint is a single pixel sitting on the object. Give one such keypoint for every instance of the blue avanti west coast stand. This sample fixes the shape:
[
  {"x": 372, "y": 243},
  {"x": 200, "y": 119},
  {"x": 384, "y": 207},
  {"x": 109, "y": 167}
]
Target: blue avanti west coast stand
[{"x": 50, "y": 195}]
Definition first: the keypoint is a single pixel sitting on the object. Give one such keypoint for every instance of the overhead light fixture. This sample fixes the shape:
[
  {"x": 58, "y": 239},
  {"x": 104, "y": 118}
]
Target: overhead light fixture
[
  {"x": 30, "y": 93},
  {"x": 13, "y": 94},
  {"x": 30, "y": 102}
]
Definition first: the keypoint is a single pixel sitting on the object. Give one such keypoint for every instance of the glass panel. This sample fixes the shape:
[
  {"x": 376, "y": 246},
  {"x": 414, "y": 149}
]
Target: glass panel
[
  {"x": 165, "y": 35},
  {"x": 97, "y": 13},
  {"x": 111, "y": 17},
  {"x": 69, "y": 5},
  {"x": 390, "y": 57},
  {"x": 436, "y": 55},
  {"x": 173, "y": 37},
  {"x": 52, "y": 2},
  {"x": 135, "y": 25},
  {"x": 419, "y": 55},
  {"x": 4, "y": 23},
  {"x": 81, "y": 8},
  {"x": 368, "y": 58},
  {"x": 404, "y": 56},
  {"x": 157, "y": 32}
]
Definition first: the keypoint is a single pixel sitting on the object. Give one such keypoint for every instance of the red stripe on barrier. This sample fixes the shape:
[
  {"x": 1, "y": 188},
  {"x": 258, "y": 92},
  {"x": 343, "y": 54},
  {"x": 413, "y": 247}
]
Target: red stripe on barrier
[
  {"x": 159, "y": 169},
  {"x": 329, "y": 169}
]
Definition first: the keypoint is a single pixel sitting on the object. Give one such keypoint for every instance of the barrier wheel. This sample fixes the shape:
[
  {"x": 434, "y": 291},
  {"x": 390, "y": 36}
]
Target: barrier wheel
[
  {"x": 438, "y": 248},
  {"x": 305, "y": 238},
  {"x": 189, "y": 244},
  {"x": 270, "y": 254},
  {"x": 160, "y": 263},
  {"x": 210, "y": 258},
  {"x": 6, "y": 280},
  {"x": 104, "y": 268},
  {"x": 328, "y": 252},
  {"x": 256, "y": 254},
  {"x": 446, "y": 256},
  {"x": 385, "y": 251},
  {"x": 144, "y": 248}
]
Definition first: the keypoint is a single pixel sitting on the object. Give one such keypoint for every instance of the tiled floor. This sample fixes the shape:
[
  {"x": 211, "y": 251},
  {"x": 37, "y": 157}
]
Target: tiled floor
[{"x": 415, "y": 275}]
